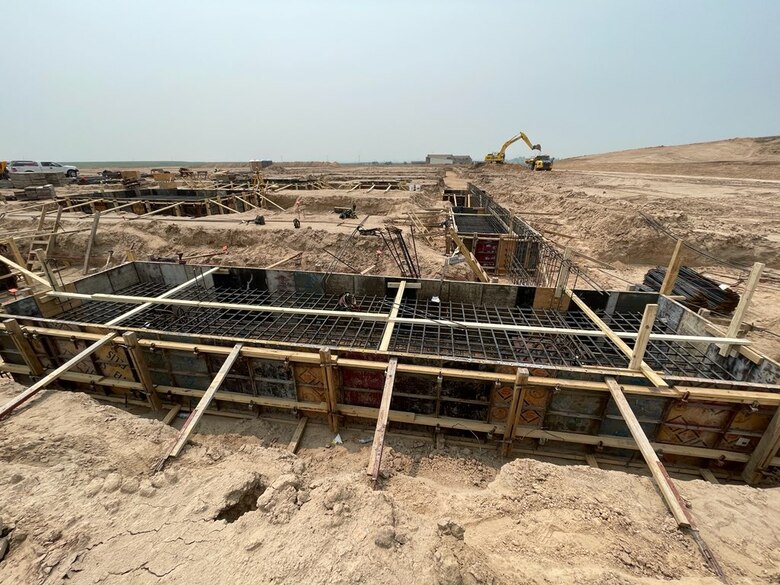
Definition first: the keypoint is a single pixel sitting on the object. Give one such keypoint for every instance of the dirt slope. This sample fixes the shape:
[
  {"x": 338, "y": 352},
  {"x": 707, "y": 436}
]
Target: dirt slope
[
  {"x": 757, "y": 158},
  {"x": 80, "y": 505}
]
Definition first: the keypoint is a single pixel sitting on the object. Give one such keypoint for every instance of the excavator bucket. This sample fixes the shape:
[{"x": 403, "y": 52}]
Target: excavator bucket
[{"x": 537, "y": 147}]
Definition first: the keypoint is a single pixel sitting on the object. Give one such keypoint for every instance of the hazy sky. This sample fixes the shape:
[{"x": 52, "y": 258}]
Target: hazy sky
[{"x": 348, "y": 80}]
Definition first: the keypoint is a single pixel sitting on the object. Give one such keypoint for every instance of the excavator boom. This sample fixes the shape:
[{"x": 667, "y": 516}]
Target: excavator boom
[{"x": 499, "y": 156}]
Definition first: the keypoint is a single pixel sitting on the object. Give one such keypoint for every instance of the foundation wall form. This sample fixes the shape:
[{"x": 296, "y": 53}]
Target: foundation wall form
[{"x": 693, "y": 422}]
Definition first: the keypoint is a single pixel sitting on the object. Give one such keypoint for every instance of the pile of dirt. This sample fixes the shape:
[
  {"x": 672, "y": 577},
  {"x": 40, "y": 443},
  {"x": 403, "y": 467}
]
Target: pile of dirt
[
  {"x": 80, "y": 504},
  {"x": 757, "y": 158}
]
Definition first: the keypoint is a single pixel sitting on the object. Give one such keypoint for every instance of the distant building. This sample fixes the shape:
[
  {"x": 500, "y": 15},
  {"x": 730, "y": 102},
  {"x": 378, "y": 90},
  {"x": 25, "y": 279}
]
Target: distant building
[{"x": 448, "y": 159}]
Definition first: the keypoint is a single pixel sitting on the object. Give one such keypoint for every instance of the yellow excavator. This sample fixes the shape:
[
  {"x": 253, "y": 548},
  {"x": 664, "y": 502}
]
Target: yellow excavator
[{"x": 500, "y": 156}]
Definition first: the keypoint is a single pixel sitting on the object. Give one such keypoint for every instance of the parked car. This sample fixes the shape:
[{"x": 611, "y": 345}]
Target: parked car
[{"x": 31, "y": 166}]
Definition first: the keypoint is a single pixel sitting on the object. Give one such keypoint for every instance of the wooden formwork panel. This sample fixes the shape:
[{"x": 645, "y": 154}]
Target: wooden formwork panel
[{"x": 309, "y": 382}]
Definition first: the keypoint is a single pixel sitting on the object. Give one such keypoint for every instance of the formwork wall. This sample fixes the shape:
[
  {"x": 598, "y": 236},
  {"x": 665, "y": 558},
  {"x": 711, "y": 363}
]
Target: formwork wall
[{"x": 570, "y": 408}]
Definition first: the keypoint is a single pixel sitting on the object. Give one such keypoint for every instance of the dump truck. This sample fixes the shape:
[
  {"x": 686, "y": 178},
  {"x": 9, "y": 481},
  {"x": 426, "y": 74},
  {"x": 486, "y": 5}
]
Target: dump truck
[
  {"x": 540, "y": 162},
  {"x": 500, "y": 156}
]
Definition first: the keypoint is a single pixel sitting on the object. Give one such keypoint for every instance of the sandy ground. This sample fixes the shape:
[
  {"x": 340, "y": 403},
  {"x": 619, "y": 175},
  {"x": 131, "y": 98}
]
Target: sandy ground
[
  {"x": 754, "y": 158},
  {"x": 80, "y": 505}
]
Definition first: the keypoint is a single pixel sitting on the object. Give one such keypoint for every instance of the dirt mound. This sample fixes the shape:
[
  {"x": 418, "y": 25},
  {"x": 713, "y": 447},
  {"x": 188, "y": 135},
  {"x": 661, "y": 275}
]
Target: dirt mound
[
  {"x": 79, "y": 503},
  {"x": 761, "y": 150},
  {"x": 757, "y": 158}
]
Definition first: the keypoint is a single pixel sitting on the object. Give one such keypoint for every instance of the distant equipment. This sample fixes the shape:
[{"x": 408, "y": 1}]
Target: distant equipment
[
  {"x": 500, "y": 156},
  {"x": 540, "y": 162}
]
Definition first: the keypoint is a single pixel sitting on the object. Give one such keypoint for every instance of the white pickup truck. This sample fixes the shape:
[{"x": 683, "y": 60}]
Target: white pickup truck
[{"x": 32, "y": 166}]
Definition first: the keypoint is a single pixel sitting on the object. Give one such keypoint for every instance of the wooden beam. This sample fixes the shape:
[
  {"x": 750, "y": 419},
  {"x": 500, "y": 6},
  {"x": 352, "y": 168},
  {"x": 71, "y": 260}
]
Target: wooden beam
[
  {"x": 165, "y": 300},
  {"x": 663, "y": 481},
  {"x": 23, "y": 397},
  {"x": 672, "y": 270},
  {"x": 23, "y": 346},
  {"x": 197, "y": 413},
  {"x": 657, "y": 380},
  {"x": 284, "y": 261},
  {"x": 297, "y": 435},
  {"x": 764, "y": 452},
  {"x": 50, "y": 276},
  {"x": 513, "y": 416},
  {"x": 28, "y": 275},
  {"x": 330, "y": 385},
  {"x": 471, "y": 260},
  {"x": 563, "y": 274},
  {"x": 744, "y": 393},
  {"x": 742, "y": 307},
  {"x": 708, "y": 475},
  {"x": 375, "y": 458},
  {"x": 590, "y": 459},
  {"x": 91, "y": 241},
  {"x": 162, "y": 297},
  {"x": 141, "y": 368},
  {"x": 172, "y": 414},
  {"x": 160, "y": 210},
  {"x": 388, "y": 333},
  {"x": 640, "y": 345}
]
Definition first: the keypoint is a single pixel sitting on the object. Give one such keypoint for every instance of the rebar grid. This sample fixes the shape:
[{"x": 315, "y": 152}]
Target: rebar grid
[{"x": 444, "y": 339}]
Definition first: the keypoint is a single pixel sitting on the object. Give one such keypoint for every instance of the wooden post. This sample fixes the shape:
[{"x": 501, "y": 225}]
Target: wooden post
[
  {"x": 23, "y": 397},
  {"x": 563, "y": 274},
  {"x": 471, "y": 260},
  {"x": 43, "y": 260},
  {"x": 28, "y": 275},
  {"x": 331, "y": 389},
  {"x": 764, "y": 452},
  {"x": 388, "y": 333},
  {"x": 172, "y": 414},
  {"x": 24, "y": 347},
  {"x": 672, "y": 270},
  {"x": 663, "y": 481},
  {"x": 297, "y": 435},
  {"x": 141, "y": 368},
  {"x": 742, "y": 307},
  {"x": 657, "y": 380},
  {"x": 91, "y": 241},
  {"x": 513, "y": 416},
  {"x": 640, "y": 345},
  {"x": 375, "y": 459},
  {"x": 197, "y": 413}
]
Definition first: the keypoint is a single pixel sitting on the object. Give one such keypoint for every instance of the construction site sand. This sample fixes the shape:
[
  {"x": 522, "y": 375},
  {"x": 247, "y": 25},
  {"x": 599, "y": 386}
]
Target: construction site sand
[{"x": 80, "y": 505}]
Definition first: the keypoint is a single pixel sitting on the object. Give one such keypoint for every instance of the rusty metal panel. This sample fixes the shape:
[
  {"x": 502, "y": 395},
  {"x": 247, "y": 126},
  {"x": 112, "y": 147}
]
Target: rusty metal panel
[
  {"x": 114, "y": 363},
  {"x": 66, "y": 349},
  {"x": 415, "y": 394},
  {"x": 272, "y": 378},
  {"x": 575, "y": 412},
  {"x": 362, "y": 387},
  {"x": 649, "y": 410},
  {"x": 468, "y": 399},
  {"x": 697, "y": 424},
  {"x": 746, "y": 429}
]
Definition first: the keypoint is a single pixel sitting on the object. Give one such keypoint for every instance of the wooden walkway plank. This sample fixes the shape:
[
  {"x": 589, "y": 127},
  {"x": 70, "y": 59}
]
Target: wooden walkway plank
[
  {"x": 375, "y": 459},
  {"x": 23, "y": 397},
  {"x": 197, "y": 413},
  {"x": 663, "y": 481},
  {"x": 297, "y": 435}
]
